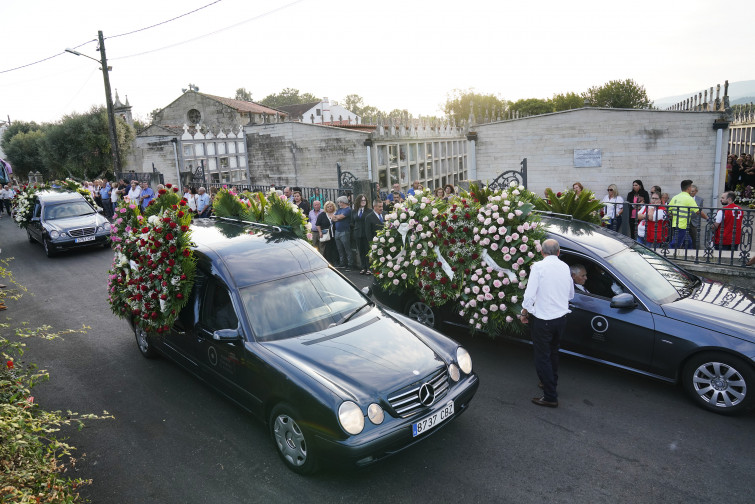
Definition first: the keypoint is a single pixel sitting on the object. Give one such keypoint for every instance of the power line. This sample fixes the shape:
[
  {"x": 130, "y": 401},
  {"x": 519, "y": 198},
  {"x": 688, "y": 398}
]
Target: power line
[
  {"x": 260, "y": 16},
  {"x": 114, "y": 36}
]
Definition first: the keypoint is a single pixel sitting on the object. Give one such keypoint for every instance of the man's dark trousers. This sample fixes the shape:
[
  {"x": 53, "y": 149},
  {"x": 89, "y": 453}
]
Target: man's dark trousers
[{"x": 546, "y": 338}]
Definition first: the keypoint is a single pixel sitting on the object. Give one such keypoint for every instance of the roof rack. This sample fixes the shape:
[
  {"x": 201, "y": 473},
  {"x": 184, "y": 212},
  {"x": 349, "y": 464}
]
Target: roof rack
[
  {"x": 261, "y": 225},
  {"x": 554, "y": 214}
]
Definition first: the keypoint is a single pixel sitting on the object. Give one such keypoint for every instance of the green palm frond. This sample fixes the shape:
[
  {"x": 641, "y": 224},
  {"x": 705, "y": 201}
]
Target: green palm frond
[
  {"x": 583, "y": 207},
  {"x": 228, "y": 205}
]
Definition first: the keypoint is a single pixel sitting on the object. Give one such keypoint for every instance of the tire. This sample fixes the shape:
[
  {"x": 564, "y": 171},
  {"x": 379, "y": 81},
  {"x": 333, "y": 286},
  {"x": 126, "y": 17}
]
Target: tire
[
  {"x": 31, "y": 239},
  {"x": 49, "y": 252},
  {"x": 143, "y": 343},
  {"x": 422, "y": 313},
  {"x": 291, "y": 441},
  {"x": 720, "y": 383}
]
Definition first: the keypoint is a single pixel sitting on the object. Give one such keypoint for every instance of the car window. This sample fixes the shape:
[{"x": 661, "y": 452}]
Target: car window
[
  {"x": 300, "y": 304},
  {"x": 599, "y": 281},
  {"x": 68, "y": 209},
  {"x": 37, "y": 210},
  {"x": 656, "y": 277},
  {"x": 218, "y": 312}
]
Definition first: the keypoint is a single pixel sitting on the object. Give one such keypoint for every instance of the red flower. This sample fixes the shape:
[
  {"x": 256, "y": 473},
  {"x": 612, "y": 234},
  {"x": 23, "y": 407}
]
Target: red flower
[
  {"x": 180, "y": 213},
  {"x": 9, "y": 364},
  {"x": 168, "y": 185},
  {"x": 172, "y": 250},
  {"x": 173, "y": 225},
  {"x": 161, "y": 192},
  {"x": 179, "y": 296},
  {"x": 432, "y": 275},
  {"x": 163, "y": 296},
  {"x": 184, "y": 228},
  {"x": 169, "y": 236},
  {"x": 186, "y": 252},
  {"x": 168, "y": 270},
  {"x": 145, "y": 229},
  {"x": 455, "y": 217},
  {"x": 171, "y": 261},
  {"x": 450, "y": 229},
  {"x": 183, "y": 277},
  {"x": 474, "y": 255},
  {"x": 175, "y": 189},
  {"x": 174, "y": 207},
  {"x": 153, "y": 315}
]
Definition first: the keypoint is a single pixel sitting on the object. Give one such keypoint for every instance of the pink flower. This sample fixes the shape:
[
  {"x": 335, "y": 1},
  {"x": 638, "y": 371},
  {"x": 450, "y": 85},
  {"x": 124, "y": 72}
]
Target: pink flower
[
  {"x": 132, "y": 207},
  {"x": 122, "y": 210},
  {"x": 509, "y": 319}
]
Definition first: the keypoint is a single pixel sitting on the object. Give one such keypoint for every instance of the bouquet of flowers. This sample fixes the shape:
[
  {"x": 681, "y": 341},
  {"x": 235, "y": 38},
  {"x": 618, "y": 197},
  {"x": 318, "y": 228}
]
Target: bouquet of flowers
[
  {"x": 71, "y": 185},
  {"x": 152, "y": 273},
  {"x": 472, "y": 252},
  {"x": 23, "y": 205}
]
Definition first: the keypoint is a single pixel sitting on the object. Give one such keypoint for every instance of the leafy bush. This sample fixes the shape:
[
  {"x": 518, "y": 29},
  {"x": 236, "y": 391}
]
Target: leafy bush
[{"x": 583, "y": 207}]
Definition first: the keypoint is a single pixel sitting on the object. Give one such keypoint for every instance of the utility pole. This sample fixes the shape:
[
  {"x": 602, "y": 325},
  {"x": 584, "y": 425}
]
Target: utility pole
[{"x": 109, "y": 101}]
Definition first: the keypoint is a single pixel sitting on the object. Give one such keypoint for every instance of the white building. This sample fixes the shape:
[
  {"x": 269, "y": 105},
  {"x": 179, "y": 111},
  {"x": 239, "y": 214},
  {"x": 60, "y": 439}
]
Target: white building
[{"x": 322, "y": 112}]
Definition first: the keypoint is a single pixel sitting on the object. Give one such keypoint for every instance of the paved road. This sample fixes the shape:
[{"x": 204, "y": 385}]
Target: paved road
[{"x": 615, "y": 438}]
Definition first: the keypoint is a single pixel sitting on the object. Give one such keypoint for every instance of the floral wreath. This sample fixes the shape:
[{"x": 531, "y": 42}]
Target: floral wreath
[
  {"x": 267, "y": 208},
  {"x": 153, "y": 267},
  {"x": 23, "y": 201},
  {"x": 473, "y": 252}
]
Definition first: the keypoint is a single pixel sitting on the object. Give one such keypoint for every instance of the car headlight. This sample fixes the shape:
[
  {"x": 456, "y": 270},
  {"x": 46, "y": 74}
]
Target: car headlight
[
  {"x": 375, "y": 414},
  {"x": 453, "y": 372},
  {"x": 464, "y": 360},
  {"x": 351, "y": 417},
  {"x": 106, "y": 227},
  {"x": 54, "y": 234}
]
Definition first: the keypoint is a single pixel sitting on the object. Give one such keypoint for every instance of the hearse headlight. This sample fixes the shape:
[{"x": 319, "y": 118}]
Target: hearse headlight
[
  {"x": 453, "y": 372},
  {"x": 351, "y": 417},
  {"x": 105, "y": 227},
  {"x": 54, "y": 234},
  {"x": 375, "y": 414},
  {"x": 464, "y": 360}
]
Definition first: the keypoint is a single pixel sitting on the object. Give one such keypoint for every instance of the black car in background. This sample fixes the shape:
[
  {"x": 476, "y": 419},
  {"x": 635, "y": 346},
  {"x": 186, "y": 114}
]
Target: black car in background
[
  {"x": 644, "y": 314},
  {"x": 273, "y": 327},
  {"x": 63, "y": 220}
]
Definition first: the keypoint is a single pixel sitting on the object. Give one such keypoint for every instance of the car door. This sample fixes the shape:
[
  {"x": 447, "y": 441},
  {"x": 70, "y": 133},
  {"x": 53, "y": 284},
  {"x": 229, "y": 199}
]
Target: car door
[
  {"x": 35, "y": 226},
  {"x": 594, "y": 328},
  {"x": 179, "y": 343},
  {"x": 225, "y": 363}
]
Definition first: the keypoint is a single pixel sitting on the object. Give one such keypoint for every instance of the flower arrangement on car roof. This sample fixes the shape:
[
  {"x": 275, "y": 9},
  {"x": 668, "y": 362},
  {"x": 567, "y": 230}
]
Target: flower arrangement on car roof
[
  {"x": 23, "y": 206},
  {"x": 267, "y": 208},
  {"x": 472, "y": 252},
  {"x": 153, "y": 268}
]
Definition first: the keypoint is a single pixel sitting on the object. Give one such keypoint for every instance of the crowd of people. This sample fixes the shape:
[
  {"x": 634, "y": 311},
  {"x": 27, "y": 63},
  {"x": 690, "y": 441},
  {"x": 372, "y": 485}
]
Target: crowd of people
[{"x": 740, "y": 170}]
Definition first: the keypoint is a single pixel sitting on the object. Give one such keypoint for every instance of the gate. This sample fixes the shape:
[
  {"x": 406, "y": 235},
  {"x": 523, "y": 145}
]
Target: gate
[{"x": 504, "y": 180}]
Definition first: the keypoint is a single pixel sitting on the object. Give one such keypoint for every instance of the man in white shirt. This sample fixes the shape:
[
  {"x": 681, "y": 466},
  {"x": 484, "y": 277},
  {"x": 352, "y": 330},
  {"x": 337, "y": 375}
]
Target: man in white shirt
[{"x": 546, "y": 300}]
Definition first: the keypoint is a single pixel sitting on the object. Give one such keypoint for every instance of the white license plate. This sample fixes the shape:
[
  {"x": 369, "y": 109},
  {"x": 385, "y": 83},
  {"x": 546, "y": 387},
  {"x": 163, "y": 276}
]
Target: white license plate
[
  {"x": 428, "y": 423},
  {"x": 84, "y": 239}
]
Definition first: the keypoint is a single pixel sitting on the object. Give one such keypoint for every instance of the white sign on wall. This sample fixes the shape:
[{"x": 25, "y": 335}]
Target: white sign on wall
[{"x": 587, "y": 158}]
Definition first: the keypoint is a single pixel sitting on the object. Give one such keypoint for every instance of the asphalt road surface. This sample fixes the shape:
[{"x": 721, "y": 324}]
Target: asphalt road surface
[{"x": 615, "y": 437}]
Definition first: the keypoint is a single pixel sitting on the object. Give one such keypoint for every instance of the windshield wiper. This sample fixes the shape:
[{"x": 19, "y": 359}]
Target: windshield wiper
[{"x": 353, "y": 312}]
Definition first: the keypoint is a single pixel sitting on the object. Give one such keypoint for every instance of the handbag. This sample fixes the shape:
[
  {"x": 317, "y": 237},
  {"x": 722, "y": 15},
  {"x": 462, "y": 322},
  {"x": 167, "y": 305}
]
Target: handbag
[{"x": 325, "y": 235}]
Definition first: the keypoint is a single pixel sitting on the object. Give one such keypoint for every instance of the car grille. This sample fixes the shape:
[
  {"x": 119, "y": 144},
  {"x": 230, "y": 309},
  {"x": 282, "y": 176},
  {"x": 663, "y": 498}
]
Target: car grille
[
  {"x": 407, "y": 402},
  {"x": 81, "y": 232}
]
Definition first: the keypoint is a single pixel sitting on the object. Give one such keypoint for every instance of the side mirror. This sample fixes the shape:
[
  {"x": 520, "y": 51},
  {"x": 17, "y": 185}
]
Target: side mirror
[
  {"x": 367, "y": 291},
  {"x": 226, "y": 335},
  {"x": 624, "y": 300}
]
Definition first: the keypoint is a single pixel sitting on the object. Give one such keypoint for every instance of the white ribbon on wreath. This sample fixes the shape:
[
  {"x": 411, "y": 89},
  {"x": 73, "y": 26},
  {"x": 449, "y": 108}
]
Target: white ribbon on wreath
[
  {"x": 490, "y": 262},
  {"x": 443, "y": 263}
]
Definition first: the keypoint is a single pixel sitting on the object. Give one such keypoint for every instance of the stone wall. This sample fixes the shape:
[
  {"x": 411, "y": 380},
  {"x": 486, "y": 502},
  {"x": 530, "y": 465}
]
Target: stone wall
[
  {"x": 303, "y": 154},
  {"x": 213, "y": 113},
  {"x": 657, "y": 147},
  {"x": 157, "y": 150}
]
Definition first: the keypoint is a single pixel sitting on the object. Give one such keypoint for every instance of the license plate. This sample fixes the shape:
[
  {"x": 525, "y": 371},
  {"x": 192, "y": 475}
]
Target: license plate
[
  {"x": 84, "y": 239},
  {"x": 428, "y": 423}
]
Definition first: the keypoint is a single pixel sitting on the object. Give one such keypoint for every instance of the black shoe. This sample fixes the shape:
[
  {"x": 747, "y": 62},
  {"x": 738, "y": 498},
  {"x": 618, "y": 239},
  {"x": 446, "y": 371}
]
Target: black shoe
[
  {"x": 540, "y": 385},
  {"x": 362, "y": 272},
  {"x": 540, "y": 401}
]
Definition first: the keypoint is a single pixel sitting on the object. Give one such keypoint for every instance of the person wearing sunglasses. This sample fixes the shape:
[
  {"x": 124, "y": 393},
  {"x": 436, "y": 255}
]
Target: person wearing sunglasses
[{"x": 613, "y": 207}]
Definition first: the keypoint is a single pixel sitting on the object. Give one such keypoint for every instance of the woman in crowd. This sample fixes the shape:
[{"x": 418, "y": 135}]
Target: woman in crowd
[
  {"x": 301, "y": 203},
  {"x": 325, "y": 225},
  {"x": 448, "y": 191},
  {"x": 191, "y": 198},
  {"x": 578, "y": 188},
  {"x": 665, "y": 197},
  {"x": 359, "y": 217},
  {"x": 656, "y": 189},
  {"x": 438, "y": 193},
  {"x": 638, "y": 192},
  {"x": 614, "y": 206},
  {"x": 656, "y": 229},
  {"x": 748, "y": 171}
]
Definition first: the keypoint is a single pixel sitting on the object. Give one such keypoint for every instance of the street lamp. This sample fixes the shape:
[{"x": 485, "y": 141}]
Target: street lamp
[{"x": 108, "y": 100}]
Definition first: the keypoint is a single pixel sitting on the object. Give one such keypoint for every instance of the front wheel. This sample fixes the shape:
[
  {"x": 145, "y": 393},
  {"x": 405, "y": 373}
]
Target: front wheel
[
  {"x": 422, "y": 313},
  {"x": 144, "y": 344},
  {"x": 720, "y": 383},
  {"x": 292, "y": 442},
  {"x": 49, "y": 250}
]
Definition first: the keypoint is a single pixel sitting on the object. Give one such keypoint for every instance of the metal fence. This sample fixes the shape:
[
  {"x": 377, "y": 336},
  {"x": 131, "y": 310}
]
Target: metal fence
[
  {"x": 307, "y": 193},
  {"x": 728, "y": 242}
]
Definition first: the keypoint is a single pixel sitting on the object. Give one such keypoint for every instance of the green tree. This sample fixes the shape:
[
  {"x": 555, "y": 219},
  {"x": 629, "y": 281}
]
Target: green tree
[
  {"x": 459, "y": 103},
  {"x": 243, "y": 94},
  {"x": 15, "y": 128},
  {"x": 531, "y": 106},
  {"x": 23, "y": 151},
  {"x": 567, "y": 101},
  {"x": 289, "y": 96},
  {"x": 618, "y": 94}
]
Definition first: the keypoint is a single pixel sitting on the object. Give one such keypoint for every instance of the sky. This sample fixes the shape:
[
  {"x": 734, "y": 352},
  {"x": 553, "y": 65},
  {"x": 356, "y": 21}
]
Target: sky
[{"x": 396, "y": 54}]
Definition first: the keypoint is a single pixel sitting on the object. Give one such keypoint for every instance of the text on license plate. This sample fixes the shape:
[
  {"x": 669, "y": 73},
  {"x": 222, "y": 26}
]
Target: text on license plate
[
  {"x": 431, "y": 421},
  {"x": 84, "y": 239}
]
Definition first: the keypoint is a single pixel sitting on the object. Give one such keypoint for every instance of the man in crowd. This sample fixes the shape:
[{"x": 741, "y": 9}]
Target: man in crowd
[
  {"x": 414, "y": 188},
  {"x": 134, "y": 192},
  {"x": 682, "y": 206},
  {"x": 727, "y": 231},
  {"x": 579, "y": 276},
  {"x": 105, "y": 194},
  {"x": 146, "y": 195},
  {"x": 6, "y": 196},
  {"x": 546, "y": 301},
  {"x": 288, "y": 194},
  {"x": 695, "y": 227},
  {"x": 342, "y": 219},
  {"x": 396, "y": 189},
  {"x": 203, "y": 203}
]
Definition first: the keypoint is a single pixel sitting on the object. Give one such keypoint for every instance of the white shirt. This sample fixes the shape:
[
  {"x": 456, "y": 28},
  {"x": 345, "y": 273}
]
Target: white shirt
[
  {"x": 549, "y": 289},
  {"x": 614, "y": 206},
  {"x": 191, "y": 201},
  {"x": 134, "y": 193}
]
